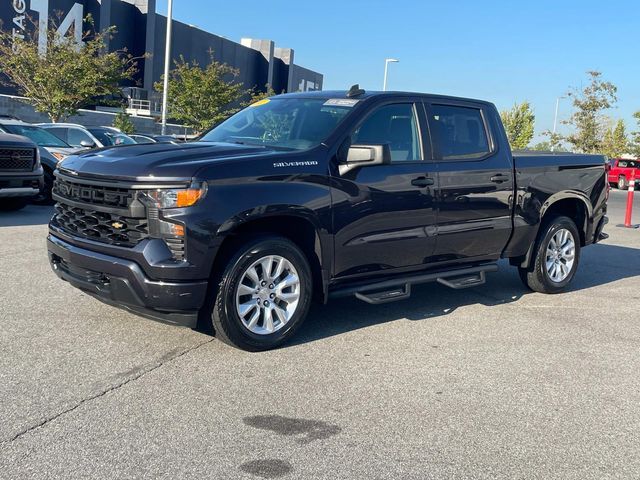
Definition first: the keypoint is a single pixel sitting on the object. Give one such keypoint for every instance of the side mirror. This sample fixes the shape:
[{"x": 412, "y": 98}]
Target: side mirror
[
  {"x": 87, "y": 144},
  {"x": 365, "y": 156}
]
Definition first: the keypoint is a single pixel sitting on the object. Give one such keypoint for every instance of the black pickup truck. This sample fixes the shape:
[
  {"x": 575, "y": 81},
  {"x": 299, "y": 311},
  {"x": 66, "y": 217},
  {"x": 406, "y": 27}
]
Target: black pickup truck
[
  {"x": 319, "y": 195},
  {"x": 21, "y": 173}
]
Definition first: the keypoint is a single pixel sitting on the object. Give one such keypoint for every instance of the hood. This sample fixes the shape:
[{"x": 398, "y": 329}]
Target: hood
[{"x": 155, "y": 161}]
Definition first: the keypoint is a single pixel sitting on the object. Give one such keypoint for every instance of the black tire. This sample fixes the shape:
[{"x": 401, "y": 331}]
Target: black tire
[
  {"x": 45, "y": 197},
  {"x": 622, "y": 183},
  {"x": 536, "y": 277},
  {"x": 225, "y": 321},
  {"x": 12, "y": 204}
]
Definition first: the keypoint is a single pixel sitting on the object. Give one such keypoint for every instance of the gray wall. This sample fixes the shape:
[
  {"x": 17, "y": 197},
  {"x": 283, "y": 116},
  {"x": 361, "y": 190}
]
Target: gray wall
[
  {"x": 141, "y": 30},
  {"x": 195, "y": 44},
  {"x": 90, "y": 118}
]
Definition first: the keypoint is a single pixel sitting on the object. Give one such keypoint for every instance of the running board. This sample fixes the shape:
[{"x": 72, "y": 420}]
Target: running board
[{"x": 400, "y": 288}]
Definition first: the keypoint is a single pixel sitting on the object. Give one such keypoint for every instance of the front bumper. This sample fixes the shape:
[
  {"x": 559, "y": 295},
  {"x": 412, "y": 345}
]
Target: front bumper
[
  {"x": 123, "y": 283},
  {"x": 21, "y": 184}
]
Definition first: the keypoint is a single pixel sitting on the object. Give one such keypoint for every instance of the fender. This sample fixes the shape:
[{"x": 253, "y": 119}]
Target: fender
[
  {"x": 323, "y": 244},
  {"x": 552, "y": 200}
]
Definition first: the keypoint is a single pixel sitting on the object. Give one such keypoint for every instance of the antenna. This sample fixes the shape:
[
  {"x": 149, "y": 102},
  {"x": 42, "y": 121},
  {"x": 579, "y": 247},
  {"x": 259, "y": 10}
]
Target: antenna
[{"x": 355, "y": 91}]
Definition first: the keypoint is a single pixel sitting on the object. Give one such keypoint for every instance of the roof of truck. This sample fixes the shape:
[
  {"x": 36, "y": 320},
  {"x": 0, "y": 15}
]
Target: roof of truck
[{"x": 331, "y": 94}]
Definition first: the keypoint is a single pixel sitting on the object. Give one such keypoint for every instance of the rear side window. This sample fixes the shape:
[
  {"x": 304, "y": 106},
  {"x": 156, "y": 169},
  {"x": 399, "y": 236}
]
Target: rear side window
[
  {"x": 459, "y": 131},
  {"x": 393, "y": 124},
  {"x": 628, "y": 164},
  {"x": 77, "y": 136}
]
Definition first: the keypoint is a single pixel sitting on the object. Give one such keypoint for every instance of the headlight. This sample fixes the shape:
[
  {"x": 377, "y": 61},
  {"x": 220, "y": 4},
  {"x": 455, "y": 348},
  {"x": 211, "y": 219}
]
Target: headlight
[
  {"x": 58, "y": 156},
  {"x": 180, "y": 197}
]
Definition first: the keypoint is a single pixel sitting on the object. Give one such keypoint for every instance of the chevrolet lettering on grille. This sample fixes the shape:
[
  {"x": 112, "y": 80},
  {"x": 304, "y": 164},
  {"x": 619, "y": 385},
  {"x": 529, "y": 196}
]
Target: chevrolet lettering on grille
[{"x": 91, "y": 195}]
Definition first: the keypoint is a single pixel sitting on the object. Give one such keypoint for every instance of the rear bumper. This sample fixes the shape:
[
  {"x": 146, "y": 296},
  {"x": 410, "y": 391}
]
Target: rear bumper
[{"x": 123, "y": 283}]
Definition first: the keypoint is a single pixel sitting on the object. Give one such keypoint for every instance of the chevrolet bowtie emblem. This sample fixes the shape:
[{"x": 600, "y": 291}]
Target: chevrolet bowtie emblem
[{"x": 117, "y": 225}]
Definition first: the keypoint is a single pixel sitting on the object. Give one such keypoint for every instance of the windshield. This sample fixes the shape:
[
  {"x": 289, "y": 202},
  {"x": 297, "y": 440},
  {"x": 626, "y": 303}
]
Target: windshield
[
  {"x": 290, "y": 123},
  {"x": 108, "y": 138},
  {"x": 38, "y": 135}
]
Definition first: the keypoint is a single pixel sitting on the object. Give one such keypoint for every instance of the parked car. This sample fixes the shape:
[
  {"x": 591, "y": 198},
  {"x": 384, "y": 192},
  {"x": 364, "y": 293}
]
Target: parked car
[
  {"x": 143, "y": 139},
  {"x": 155, "y": 139},
  {"x": 110, "y": 136},
  {"x": 320, "y": 195},
  {"x": 87, "y": 137},
  {"x": 52, "y": 149},
  {"x": 21, "y": 175},
  {"x": 621, "y": 170}
]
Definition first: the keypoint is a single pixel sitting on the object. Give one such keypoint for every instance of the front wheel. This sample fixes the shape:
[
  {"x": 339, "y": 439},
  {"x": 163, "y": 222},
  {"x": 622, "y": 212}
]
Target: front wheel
[
  {"x": 557, "y": 254},
  {"x": 263, "y": 295}
]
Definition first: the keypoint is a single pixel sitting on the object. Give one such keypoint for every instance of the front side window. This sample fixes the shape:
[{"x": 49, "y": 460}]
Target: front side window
[
  {"x": 393, "y": 124},
  {"x": 459, "y": 131},
  {"x": 287, "y": 123}
]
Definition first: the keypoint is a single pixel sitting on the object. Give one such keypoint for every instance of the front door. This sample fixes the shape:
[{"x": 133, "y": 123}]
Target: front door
[
  {"x": 475, "y": 188},
  {"x": 385, "y": 215}
]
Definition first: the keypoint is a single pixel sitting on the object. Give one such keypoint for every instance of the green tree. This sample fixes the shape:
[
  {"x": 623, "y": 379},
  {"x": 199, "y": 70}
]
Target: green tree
[
  {"x": 123, "y": 122},
  {"x": 257, "y": 95},
  {"x": 614, "y": 141},
  {"x": 587, "y": 119},
  {"x": 548, "y": 146},
  {"x": 202, "y": 97},
  {"x": 519, "y": 123},
  {"x": 555, "y": 142},
  {"x": 69, "y": 75},
  {"x": 634, "y": 146}
]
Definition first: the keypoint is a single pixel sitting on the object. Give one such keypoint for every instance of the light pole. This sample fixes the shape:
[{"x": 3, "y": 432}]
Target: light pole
[
  {"x": 555, "y": 118},
  {"x": 386, "y": 71},
  {"x": 167, "y": 64}
]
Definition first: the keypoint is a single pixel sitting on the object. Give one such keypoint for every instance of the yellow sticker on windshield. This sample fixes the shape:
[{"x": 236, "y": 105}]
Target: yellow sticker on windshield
[{"x": 261, "y": 102}]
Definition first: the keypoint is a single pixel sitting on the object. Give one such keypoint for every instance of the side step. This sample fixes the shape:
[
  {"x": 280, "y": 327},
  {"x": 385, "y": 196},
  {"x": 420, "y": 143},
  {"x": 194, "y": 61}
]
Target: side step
[
  {"x": 400, "y": 288},
  {"x": 385, "y": 296}
]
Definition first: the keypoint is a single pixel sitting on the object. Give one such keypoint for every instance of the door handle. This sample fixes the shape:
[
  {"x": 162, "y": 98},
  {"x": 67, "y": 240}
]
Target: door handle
[
  {"x": 422, "y": 182},
  {"x": 500, "y": 178}
]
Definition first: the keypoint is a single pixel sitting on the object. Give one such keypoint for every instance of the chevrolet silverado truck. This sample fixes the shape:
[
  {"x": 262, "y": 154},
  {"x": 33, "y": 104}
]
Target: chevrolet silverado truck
[
  {"x": 21, "y": 174},
  {"x": 318, "y": 195}
]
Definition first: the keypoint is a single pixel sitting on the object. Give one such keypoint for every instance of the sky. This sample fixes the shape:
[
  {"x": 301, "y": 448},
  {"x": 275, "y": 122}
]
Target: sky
[{"x": 501, "y": 51}]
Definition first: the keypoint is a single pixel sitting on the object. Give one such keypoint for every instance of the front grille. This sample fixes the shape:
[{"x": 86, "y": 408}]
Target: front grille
[
  {"x": 101, "y": 226},
  {"x": 94, "y": 195},
  {"x": 17, "y": 159}
]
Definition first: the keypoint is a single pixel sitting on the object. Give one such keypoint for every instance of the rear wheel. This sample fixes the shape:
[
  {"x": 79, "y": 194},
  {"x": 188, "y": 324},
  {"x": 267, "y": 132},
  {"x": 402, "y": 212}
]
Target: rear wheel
[
  {"x": 557, "y": 254},
  {"x": 622, "y": 183},
  {"x": 263, "y": 295}
]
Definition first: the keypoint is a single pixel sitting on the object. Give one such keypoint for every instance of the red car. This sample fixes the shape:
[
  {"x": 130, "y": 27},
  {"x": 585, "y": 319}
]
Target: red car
[{"x": 620, "y": 171}]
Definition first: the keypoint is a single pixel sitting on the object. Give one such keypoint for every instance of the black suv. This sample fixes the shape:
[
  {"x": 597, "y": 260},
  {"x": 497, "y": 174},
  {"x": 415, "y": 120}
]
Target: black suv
[
  {"x": 319, "y": 194},
  {"x": 21, "y": 175}
]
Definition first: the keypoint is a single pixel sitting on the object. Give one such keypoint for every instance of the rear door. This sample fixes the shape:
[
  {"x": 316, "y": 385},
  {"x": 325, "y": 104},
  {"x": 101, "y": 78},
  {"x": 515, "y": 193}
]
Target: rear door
[
  {"x": 385, "y": 215},
  {"x": 475, "y": 181}
]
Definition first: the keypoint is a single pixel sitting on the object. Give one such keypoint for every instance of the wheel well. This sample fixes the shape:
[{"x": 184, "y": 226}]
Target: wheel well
[
  {"x": 296, "y": 229},
  {"x": 574, "y": 209}
]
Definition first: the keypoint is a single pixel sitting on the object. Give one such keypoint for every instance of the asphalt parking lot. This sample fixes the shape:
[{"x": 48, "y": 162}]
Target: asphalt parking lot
[{"x": 491, "y": 382}]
